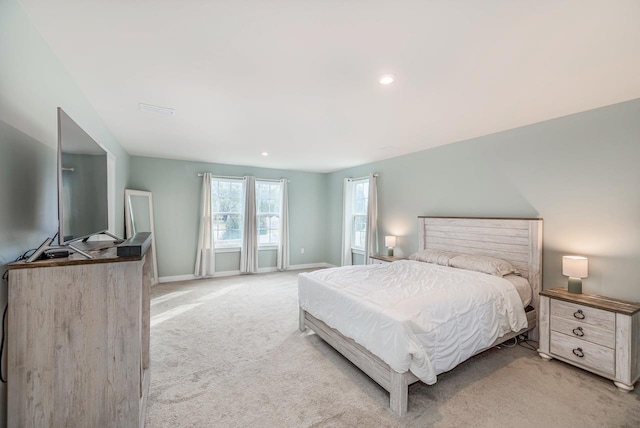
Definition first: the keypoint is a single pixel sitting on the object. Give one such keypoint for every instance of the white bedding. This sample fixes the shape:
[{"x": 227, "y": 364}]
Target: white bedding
[
  {"x": 414, "y": 316},
  {"x": 522, "y": 287}
]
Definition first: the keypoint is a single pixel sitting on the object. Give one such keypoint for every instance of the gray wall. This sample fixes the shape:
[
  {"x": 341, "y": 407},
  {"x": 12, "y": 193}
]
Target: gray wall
[
  {"x": 176, "y": 197},
  {"x": 580, "y": 173},
  {"x": 33, "y": 83},
  {"x": 28, "y": 212}
]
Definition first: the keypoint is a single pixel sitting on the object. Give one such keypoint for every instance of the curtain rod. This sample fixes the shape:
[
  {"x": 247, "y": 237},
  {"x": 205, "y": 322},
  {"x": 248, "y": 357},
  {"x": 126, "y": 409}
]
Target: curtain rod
[
  {"x": 366, "y": 176},
  {"x": 200, "y": 174}
]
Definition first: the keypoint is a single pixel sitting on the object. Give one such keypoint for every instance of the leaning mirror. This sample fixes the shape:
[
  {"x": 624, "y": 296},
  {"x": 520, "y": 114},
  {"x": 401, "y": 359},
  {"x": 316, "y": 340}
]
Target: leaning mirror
[{"x": 138, "y": 206}]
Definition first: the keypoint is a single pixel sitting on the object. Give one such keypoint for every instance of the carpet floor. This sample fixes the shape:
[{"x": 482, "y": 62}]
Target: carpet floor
[{"x": 227, "y": 352}]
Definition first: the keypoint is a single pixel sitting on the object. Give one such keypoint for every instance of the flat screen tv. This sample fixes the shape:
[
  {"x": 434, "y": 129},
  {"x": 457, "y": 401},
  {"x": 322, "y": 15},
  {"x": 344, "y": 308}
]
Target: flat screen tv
[{"x": 82, "y": 183}]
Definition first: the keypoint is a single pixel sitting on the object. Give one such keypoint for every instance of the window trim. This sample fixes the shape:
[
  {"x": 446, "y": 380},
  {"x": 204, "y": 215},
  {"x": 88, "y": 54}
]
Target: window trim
[
  {"x": 235, "y": 245},
  {"x": 236, "y": 249},
  {"x": 229, "y": 245},
  {"x": 356, "y": 249}
]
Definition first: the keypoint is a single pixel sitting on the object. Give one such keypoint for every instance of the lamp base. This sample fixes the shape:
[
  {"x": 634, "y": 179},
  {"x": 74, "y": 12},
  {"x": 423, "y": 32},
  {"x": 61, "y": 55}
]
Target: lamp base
[
  {"x": 575, "y": 285},
  {"x": 389, "y": 251}
]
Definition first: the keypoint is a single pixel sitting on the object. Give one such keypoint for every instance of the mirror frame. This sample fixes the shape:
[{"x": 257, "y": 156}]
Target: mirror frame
[{"x": 129, "y": 223}]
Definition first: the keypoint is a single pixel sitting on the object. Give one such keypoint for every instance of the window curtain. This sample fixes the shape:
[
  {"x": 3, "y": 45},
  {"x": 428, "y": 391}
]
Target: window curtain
[
  {"x": 206, "y": 254},
  {"x": 347, "y": 220},
  {"x": 371, "y": 235},
  {"x": 249, "y": 251},
  {"x": 283, "y": 244}
]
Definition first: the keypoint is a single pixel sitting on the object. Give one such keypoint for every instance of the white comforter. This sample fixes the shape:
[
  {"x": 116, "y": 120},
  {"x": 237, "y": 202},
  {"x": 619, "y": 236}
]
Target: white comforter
[{"x": 414, "y": 316}]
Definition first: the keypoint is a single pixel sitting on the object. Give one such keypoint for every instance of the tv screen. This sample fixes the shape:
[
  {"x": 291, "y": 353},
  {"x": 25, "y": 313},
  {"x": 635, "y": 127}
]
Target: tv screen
[{"x": 82, "y": 183}]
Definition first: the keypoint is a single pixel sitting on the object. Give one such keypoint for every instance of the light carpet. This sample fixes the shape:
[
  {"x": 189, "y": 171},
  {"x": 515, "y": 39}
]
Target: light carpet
[{"x": 227, "y": 353}]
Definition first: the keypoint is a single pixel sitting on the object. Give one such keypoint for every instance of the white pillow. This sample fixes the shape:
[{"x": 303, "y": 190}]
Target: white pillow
[
  {"x": 439, "y": 257},
  {"x": 485, "y": 264}
]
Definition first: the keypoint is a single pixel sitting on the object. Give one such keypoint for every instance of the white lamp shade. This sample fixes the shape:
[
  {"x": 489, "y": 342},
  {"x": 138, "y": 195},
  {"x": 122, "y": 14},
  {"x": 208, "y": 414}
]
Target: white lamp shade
[
  {"x": 575, "y": 266},
  {"x": 390, "y": 241}
]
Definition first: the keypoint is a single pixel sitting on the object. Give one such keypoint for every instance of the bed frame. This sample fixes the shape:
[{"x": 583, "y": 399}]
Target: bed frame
[{"x": 517, "y": 240}]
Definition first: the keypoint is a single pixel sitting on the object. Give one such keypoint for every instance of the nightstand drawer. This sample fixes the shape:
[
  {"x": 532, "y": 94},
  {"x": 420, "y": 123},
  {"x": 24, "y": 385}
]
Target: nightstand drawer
[
  {"x": 580, "y": 330},
  {"x": 582, "y": 352},
  {"x": 585, "y": 314},
  {"x": 377, "y": 261}
]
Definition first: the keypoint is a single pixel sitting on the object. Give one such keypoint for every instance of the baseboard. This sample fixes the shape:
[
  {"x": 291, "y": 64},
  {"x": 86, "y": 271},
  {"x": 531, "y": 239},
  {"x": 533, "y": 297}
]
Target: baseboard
[
  {"x": 189, "y": 277},
  {"x": 311, "y": 266},
  {"x": 176, "y": 278}
]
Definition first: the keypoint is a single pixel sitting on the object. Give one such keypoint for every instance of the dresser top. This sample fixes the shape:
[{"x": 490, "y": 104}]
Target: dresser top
[
  {"x": 599, "y": 302},
  {"x": 108, "y": 255}
]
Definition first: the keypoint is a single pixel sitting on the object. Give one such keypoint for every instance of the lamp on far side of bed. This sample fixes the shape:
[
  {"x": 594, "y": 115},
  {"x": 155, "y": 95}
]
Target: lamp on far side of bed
[
  {"x": 390, "y": 243},
  {"x": 576, "y": 268}
]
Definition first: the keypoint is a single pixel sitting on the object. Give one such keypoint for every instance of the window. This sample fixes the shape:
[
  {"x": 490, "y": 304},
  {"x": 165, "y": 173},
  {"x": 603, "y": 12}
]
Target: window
[
  {"x": 226, "y": 212},
  {"x": 359, "y": 212},
  {"x": 268, "y": 212}
]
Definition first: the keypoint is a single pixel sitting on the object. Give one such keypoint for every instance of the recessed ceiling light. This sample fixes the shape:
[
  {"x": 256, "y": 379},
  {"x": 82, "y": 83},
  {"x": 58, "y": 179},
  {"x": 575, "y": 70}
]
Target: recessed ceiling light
[
  {"x": 163, "y": 111},
  {"x": 264, "y": 154},
  {"x": 387, "y": 79}
]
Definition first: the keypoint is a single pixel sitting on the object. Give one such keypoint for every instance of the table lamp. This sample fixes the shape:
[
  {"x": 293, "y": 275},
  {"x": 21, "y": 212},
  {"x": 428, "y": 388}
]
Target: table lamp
[
  {"x": 576, "y": 268},
  {"x": 390, "y": 243}
]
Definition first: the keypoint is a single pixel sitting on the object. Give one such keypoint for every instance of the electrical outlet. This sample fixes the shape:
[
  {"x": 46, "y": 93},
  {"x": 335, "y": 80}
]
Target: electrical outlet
[{"x": 301, "y": 250}]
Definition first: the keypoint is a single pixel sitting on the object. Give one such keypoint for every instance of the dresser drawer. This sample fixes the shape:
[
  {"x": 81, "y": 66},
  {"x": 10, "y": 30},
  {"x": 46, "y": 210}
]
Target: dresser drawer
[
  {"x": 594, "y": 356},
  {"x": 603, "y": 319},
  {"x": 580, "y": 330}
]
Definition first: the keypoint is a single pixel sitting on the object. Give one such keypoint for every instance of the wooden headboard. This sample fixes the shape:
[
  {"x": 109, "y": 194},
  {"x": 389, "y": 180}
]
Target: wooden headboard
[{"x": 516, "y": 240}]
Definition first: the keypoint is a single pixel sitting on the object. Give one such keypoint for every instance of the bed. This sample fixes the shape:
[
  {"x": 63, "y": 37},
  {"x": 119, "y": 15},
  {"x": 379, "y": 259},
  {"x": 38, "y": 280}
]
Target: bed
[{"x": 386, "y": 346}]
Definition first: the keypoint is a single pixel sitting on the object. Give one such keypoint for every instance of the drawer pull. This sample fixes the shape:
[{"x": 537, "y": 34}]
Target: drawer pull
[
  {"x": 578, "y": 331},
  {"x": 579, "y": 314},
  {"x": 578, "y": 352}
]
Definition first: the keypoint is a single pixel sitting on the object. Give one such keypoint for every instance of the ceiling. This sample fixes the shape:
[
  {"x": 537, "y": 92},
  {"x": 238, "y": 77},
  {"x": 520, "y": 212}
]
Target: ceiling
[{"x": 299, "y": 78}]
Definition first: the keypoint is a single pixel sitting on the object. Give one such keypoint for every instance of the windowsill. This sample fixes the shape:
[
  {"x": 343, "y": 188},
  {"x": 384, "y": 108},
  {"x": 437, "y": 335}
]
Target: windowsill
[
  {"x": 357, "y": 251},
  {"x": 227, "y": 249},
  {"x": 237, "y": 249}
]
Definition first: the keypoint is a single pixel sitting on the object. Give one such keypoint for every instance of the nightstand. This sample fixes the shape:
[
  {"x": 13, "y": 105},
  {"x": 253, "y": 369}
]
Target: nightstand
[
  {"x": 379, "y": 259},
  {"x": 595, "y": 333}
]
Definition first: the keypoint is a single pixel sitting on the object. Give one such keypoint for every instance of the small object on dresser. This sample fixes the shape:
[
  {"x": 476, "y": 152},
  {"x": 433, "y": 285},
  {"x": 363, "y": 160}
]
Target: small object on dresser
[
  {"x": 576, "y": 268},
  {"x": 135, "y": 246},
  {"x": 57, "y": 253},
  {"x": 37, "y": 254}
]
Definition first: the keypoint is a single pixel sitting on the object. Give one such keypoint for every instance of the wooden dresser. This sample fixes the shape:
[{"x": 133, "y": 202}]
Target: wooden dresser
[
  {"x": 596, "y": 333},
  {"x": 78, "y": 341}
]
